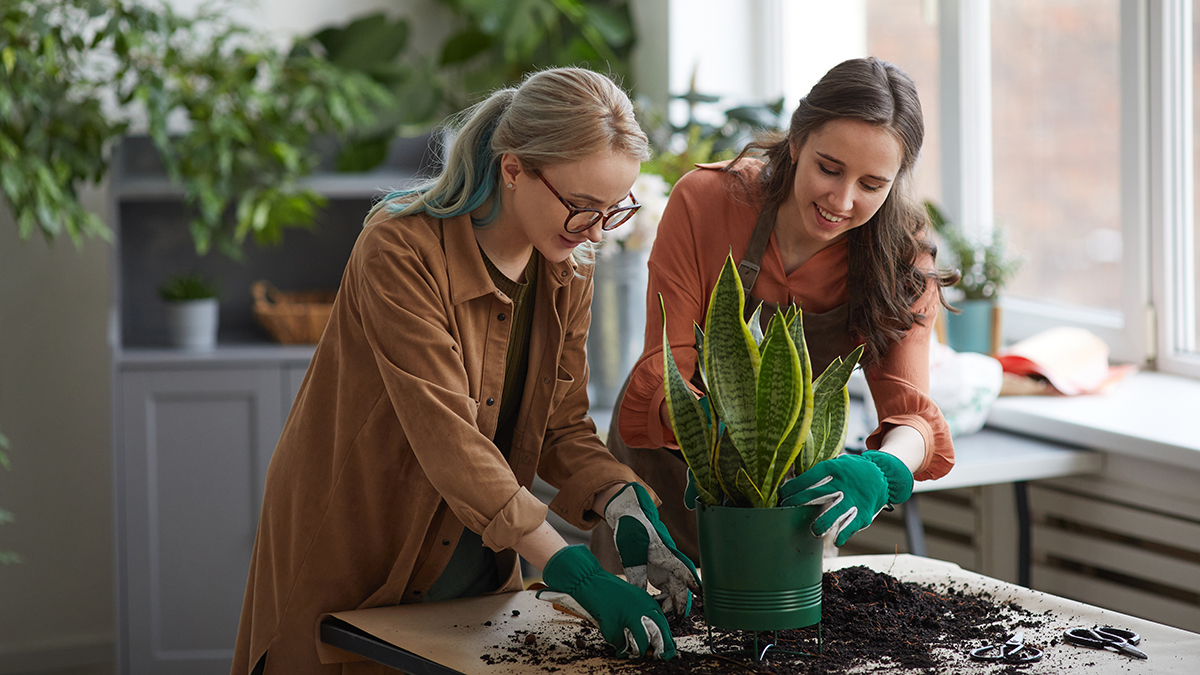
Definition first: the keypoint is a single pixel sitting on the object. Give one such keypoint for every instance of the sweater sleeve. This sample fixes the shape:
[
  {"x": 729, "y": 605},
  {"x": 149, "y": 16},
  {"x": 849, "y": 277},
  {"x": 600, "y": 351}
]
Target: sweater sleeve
[
  {"x": 675, "y": 275},
  {"x": 899, "y": 384}
]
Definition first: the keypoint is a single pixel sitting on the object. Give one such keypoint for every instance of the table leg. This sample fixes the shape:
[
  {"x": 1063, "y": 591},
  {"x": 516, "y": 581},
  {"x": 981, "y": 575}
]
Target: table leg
[
  {"x": 1024, "y": 542},
  {"x": 914, "y": 529}
]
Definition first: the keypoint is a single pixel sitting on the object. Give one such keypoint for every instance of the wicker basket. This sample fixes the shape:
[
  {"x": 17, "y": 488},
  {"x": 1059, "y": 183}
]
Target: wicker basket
[{"x": 292, "y": 318}]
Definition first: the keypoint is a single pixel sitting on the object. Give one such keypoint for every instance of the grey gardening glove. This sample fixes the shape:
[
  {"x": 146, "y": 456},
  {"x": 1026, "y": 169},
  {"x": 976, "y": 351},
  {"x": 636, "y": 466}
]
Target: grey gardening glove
[
  {"x": 851, "y": 489},
  {"x": 647, "y": 551}
]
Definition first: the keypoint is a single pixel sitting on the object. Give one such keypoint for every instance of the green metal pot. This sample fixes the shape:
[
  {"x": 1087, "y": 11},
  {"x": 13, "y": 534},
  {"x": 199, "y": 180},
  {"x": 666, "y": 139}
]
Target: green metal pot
[{"x": 761, "y": 567}]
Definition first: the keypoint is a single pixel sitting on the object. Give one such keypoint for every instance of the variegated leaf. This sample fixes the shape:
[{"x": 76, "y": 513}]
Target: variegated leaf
[
  {"x": 751, "y": 491},
  {"x": 780, "y": 398},
  {"x": 731, "y": 362},
  {"x": 755, "y": 325},
  {"x": 727, "y": 462},
  {"x": 829, "y": 427},
  {"x": 691, "y": 427}
]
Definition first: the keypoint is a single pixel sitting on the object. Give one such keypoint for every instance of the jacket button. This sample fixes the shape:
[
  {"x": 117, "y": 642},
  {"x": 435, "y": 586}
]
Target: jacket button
[
  {"x": 545, "y": 380},
  {"x": 490, "y": 401},
  {"x": 564, "y": 273},
  {"x": 500, "y": 317},
  {"x": 445, "y": 542},
  {"x": 527, "y": 458}
]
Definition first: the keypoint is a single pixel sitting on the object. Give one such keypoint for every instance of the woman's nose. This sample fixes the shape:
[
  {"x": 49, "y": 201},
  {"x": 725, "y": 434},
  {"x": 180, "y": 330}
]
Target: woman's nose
[
  {"x": 842, "y": 198},
  {"x": 595, "y": 233}
]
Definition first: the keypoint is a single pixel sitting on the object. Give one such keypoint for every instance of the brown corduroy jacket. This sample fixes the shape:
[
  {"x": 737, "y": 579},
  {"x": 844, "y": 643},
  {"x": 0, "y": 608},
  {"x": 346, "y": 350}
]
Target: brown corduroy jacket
[{"x": 387, "y": 452}]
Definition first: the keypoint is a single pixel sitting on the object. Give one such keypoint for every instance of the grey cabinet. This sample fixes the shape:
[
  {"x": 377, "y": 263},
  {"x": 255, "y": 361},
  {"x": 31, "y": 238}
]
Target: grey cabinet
[{"x": 196, "y": 448}]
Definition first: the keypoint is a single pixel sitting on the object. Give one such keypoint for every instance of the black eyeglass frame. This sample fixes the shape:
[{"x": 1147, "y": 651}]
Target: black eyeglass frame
[{"x": 601, "y": 216}]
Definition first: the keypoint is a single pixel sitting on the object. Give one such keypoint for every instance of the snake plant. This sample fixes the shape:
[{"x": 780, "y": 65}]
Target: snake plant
[{"x": 763, "y": 414}]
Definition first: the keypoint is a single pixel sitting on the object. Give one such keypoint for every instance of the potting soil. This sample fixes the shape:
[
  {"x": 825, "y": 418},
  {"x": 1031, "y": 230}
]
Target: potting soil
[{"x": 870, "y": 622}]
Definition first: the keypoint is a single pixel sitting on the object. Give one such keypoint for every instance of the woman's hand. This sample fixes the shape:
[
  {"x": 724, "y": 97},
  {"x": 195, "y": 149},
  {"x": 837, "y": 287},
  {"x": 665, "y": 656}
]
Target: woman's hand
[
  {"x": 648, "y": 553},
  {"x": 851, "y": 489},
  {"x": 630, "y": 620}
]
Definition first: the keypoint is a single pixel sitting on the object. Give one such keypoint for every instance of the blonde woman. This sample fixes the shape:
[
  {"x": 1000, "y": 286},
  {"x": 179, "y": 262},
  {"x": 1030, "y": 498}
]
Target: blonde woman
[{"x": 452, "y": 369}]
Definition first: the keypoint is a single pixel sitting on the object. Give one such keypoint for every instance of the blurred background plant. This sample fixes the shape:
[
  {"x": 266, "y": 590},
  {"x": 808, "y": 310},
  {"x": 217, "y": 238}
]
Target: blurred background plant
[
  {"x": 491, "y": 45},
  {"x": 232, "y": 116},
  {"x": 710, "y": 132},
  {"x": 987, "y": 264}
]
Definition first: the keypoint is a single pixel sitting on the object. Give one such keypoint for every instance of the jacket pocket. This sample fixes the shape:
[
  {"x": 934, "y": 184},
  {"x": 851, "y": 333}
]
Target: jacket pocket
[{"x": 561, "y": 387}]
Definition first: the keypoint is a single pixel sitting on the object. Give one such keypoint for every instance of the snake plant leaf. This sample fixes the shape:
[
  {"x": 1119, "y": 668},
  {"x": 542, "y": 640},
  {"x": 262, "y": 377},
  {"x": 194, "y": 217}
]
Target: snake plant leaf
[
  {"x": 746, "y": 486},
  {"x": 828, "y": 429},
  {"x": 731, "y": 361},
  {"x": 691, "y": 426},
  {"x": 780, "y": 398},
  {"x": 831, "y": 401},
  {"x": 755, "y": 325},
  {"x": 727, "y": 462},
  {"x": 797, "y": 439}
]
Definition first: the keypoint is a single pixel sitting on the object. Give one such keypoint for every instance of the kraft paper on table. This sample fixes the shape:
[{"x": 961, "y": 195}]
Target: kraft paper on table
[{"x": 456, "y": 633}]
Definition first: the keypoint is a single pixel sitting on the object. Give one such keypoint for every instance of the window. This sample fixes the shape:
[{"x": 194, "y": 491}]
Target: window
[
  {"x": 1056, "y": 126},
  {"x": 905, "y": 32}
]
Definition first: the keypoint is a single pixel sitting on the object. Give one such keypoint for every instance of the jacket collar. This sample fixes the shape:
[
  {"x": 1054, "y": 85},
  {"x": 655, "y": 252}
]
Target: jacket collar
[{"x": 464, "y": 263}]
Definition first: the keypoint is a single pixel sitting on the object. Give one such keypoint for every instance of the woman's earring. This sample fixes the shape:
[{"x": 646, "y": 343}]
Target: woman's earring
[{"x": 509, "y": 186}]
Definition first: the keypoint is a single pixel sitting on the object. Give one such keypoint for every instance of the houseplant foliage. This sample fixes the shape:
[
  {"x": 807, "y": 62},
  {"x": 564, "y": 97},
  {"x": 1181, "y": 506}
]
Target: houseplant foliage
[
  {"x": 53, "y": 129},
  {"x": 986, "y": 265},
  {"x": 492, "y": 44},
  {"x": 232, "y": 116},
  {"x": 764, "y": 412}
]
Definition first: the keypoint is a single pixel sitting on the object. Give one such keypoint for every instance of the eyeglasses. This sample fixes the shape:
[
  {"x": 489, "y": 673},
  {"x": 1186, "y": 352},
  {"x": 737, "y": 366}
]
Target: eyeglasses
[{"x": 579, "y": 220}]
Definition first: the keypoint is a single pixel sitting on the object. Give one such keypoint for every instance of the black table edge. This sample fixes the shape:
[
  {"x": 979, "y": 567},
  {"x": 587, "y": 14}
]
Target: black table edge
[{"x": 345, "y": 636}]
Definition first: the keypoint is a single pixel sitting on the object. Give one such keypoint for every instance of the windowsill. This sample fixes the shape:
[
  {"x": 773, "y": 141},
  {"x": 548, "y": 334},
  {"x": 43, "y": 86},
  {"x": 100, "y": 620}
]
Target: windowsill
[{"x": 1149, "y": 415}]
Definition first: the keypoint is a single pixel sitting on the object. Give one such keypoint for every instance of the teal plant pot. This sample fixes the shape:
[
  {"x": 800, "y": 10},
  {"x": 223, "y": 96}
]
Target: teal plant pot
[
  {"x": 761, "y": 567},
  {"x": 971, "y": 331}
]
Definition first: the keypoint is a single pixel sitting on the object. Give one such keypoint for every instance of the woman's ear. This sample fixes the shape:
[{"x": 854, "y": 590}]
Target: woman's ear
[{"x": 510, "y": 168}]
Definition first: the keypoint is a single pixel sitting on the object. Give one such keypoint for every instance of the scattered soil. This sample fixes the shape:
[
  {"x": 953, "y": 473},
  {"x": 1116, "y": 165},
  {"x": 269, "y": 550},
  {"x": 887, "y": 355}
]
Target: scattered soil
[{"x": 869, "y": 621}]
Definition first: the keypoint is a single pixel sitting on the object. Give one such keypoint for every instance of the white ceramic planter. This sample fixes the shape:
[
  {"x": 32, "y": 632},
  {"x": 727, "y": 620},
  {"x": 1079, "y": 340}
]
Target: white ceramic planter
[{"x": 192, "y": 324}]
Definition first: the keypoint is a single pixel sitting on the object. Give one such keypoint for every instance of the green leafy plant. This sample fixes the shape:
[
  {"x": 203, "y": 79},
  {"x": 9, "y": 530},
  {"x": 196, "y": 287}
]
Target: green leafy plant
[
  {"x": 251, "y": 110},
  {"x": 232, "y": 116},
  {"x": 986, "y": 265},
  {"x": 678, "y": 148},
  {"x": 496, "y": 43},
  {"x": 6, "y": 557},
  {"x": 53, "y": 129},
  {"x": 187, "y": 287},
  {"x": 763, "y": 412}
]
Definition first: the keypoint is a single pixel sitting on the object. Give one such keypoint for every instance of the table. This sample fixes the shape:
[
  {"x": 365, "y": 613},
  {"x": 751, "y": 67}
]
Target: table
[
  {"x": 990, "y": 457},
  {"x": 448, "y": 638}
]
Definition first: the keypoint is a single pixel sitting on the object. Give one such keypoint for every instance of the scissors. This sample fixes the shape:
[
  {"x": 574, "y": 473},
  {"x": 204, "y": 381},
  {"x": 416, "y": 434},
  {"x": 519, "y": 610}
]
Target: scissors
[
  {"x": 1102, "y": 637},
  {"x": 1013, "y": 651}
]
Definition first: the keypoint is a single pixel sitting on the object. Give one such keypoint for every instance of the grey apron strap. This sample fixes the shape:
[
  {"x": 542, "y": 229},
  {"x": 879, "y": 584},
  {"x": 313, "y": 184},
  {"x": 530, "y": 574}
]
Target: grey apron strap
[{"x": 752, "y": 261}]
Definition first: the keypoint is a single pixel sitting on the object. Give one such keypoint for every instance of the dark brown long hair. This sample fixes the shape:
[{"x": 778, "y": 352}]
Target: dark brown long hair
[{"x": 884, "y": 279}]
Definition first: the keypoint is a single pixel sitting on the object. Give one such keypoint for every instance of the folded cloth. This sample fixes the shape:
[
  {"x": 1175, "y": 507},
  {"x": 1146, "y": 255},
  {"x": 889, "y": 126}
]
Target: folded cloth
[{"x": 1073, "y": 360}]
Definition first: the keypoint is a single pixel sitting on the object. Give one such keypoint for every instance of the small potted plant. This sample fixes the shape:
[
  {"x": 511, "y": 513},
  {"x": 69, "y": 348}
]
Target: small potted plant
[
  {"x": 763, "y": 417},
  {"x": 192, "y": 311},
  {"x": 986, "y": 265}
]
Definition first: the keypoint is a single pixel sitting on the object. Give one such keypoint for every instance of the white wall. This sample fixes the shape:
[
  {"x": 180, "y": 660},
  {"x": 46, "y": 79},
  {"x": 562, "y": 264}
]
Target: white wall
[{"x": 57, "y": 606}]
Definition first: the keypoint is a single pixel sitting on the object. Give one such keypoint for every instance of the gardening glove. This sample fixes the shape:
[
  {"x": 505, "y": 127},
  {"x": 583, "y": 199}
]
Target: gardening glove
[
  {"x": 647, "y": 551},
  {"x": 853, "y": 489},
  {"x": 630, "y": 620}
]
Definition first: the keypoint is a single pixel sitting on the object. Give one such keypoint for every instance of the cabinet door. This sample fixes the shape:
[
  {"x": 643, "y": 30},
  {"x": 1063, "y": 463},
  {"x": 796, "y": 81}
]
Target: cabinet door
[{"x": 195, "y": 445}]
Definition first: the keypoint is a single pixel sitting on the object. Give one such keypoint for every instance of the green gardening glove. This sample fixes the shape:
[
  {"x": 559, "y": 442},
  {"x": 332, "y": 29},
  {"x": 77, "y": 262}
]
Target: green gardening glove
[
  {"x": 627, "y": 616},
  {"x": 647, "y": 551},
  {"x": 852, "y": 489}
]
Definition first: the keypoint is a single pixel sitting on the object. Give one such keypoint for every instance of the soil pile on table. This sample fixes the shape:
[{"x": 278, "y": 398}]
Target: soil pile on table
[{"x": 869, "y": 620}]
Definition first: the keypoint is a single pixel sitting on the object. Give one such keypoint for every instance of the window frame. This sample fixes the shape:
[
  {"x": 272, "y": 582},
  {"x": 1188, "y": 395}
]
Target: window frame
[{"x": 1156, "y": 323}]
